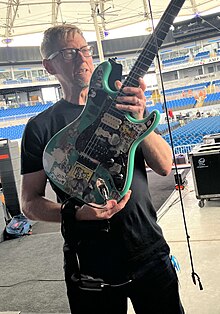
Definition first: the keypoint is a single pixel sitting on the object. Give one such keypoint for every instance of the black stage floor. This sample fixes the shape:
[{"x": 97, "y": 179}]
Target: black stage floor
[{"x": 160, "y": 187}]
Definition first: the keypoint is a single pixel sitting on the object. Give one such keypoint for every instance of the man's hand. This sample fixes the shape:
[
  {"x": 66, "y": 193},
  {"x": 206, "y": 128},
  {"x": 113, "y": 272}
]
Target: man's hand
[
  {"x": 135, "y": 101},
  {"x": 156, "y": 150},
  {"x": 93, "y": 212}
]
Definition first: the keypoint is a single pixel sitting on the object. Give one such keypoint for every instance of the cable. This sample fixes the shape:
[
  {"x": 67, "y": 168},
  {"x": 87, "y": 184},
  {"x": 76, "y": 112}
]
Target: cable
[
  {"x": 175, "y": 201},
  {"x": 31, "y": 280},
  {"x": 81, "y": 203},
  {"x": 194, "y": 274}
]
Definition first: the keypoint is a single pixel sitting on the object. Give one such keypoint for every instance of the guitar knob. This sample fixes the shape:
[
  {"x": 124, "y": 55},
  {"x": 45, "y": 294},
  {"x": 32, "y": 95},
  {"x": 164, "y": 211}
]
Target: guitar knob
[
  {"x": 119, "y": 182},
  {"x": 114, "y": 139},
  {"x": 120, "y": 176},
  {"x": 111, "y": 162}
]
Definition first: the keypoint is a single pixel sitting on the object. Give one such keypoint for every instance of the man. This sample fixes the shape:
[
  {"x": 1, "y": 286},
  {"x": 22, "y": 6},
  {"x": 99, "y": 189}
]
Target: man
[
  {"x": 170, "y": 113},
  {"x": 198, "y": 114},
  {"x": 118, "y": 249}
]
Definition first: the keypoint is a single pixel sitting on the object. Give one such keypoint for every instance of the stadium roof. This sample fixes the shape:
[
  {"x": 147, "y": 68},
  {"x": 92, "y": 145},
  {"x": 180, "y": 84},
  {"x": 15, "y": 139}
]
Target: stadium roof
[{"x": 19, "y": 17}]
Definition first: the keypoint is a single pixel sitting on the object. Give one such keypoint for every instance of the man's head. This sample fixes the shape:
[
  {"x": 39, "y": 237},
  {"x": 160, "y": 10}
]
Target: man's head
[
  {"x": 67, "y": 55},
  {"x": 55, "y": 37}
]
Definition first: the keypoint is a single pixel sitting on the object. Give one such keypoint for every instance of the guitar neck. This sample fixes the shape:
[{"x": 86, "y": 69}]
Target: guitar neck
[{"x": 153, "y": 44}]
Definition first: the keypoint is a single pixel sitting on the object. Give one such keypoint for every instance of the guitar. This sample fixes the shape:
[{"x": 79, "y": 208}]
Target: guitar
[{"x": 92, "y": 158}]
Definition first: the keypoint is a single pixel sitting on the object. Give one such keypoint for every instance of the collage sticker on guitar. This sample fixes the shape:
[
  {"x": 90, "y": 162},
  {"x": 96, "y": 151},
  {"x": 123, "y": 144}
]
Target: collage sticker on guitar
[{"x": 92, "y": 158}]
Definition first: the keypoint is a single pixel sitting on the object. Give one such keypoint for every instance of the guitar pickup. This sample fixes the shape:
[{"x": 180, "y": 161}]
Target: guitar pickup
[{"x": 111, "y": 121}]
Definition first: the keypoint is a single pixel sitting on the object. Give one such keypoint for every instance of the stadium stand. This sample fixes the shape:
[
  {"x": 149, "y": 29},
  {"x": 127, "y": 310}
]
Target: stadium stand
[
  {"x": 212, "y": 99},
  {"x": 202, "y": 55},
  {"x": 177, "y": 104},
  {"x": 176, "y": 60},
  {"x": 186, "y": 58},
  {"x": 163, "y": 128},
  {"x": 193, "y": 132},
  {"x": 23, "y": 110},
  {"x": 183, "y": 89},
  {"x": 12, "y": 132}
]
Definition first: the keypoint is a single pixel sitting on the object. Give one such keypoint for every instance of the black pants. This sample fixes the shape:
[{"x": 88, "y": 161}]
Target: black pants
[{"x": 154, "y": 292}]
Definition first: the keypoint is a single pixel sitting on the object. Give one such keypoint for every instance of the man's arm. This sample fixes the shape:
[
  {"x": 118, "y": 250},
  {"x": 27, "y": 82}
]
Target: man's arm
[
  {"x": 157, "y": 153},
  {"x": 34, "y": 204},
  {"x": 36, "y": 207}
]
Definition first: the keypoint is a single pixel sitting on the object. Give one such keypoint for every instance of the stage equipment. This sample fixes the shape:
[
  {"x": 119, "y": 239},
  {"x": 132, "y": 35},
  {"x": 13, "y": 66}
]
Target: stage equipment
[
  {"x": 181, "y": 159},
  {"x": 10, "y": 175},
  {"x": 205, "y": 164},
  {"x": 211, "y": 138},
  {"x": 180, "y": 179}
]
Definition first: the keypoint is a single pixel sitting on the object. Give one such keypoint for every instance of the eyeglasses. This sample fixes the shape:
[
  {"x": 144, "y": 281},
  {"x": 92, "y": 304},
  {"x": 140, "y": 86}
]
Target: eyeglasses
[{"x": 71, "y": 53}]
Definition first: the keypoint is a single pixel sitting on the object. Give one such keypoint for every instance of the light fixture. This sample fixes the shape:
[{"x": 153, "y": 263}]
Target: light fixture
[{"x": 7, "y": 40}]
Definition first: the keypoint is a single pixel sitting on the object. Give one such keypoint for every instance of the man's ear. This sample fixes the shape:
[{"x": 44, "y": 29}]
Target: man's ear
[{"x": 49, "y": 66}]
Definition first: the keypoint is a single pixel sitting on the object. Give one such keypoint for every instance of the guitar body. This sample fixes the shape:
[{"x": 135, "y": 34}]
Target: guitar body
[{"x": 92, "y": 158}]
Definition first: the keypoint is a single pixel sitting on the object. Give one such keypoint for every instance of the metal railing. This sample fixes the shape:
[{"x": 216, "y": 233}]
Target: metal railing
[{"x": 184, "y": 149}]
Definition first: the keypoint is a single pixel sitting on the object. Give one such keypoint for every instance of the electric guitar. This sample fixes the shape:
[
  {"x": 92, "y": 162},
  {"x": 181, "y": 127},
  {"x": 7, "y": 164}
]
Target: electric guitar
[{"x": 92, "y": 158}]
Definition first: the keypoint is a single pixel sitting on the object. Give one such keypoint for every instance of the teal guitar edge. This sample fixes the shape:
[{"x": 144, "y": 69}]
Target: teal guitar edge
[{"x": 134, "y": 146}]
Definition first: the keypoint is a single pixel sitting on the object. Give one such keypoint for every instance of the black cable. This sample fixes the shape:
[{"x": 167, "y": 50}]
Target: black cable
[
  {"x": 89, "y": 283},
  {"x": 194, "y": 275},
  {"x": 81, "y": 203},
  {"x": 177, "y": 200},
  {"x": 31, "y": 280}
]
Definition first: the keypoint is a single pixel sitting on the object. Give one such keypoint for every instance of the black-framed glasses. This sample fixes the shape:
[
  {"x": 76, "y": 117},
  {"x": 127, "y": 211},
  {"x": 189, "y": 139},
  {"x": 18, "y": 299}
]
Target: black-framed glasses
[{"x": 71, "y": 53}]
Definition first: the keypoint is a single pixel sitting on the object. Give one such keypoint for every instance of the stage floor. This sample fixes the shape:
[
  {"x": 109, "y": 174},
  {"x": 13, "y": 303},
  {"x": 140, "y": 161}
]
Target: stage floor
[{"x": 25, "y": 261}]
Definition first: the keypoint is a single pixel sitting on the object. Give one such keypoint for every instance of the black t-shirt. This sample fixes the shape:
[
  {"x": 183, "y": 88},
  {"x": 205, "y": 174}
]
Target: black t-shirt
[
  {"x": 39, "y": 131},
  {"x": 134, "y": 235}
]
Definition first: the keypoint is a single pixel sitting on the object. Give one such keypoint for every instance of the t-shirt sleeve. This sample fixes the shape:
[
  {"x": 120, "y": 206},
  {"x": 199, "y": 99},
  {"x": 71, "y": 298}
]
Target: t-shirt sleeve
[{"x": 31, "y": 149}]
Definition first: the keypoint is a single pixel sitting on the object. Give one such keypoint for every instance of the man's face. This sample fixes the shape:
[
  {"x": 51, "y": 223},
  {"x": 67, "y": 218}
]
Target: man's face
[{"x": 76, "y": 72}]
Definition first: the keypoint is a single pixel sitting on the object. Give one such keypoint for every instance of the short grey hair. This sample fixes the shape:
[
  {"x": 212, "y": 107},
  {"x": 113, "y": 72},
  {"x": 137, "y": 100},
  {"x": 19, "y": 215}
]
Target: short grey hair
[{"x": 54, "y": 36}]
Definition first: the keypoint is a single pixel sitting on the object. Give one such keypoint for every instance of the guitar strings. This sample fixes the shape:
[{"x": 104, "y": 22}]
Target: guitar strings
[{"x": 132, "y": 80}]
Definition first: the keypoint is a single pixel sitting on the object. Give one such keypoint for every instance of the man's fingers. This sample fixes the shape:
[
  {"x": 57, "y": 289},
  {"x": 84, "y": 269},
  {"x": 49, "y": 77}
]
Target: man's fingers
[
  {"x": 142, "y": 85},
  {"x": 118, "y": 84},
  {"x": 93, "y": 212},
  {"x": 113, "y": 207},
  {"x": 124, "y": 200}
]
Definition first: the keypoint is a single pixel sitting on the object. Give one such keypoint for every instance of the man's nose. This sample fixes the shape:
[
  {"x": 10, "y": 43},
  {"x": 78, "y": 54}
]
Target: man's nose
[{"x": 80, "y": 56}]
